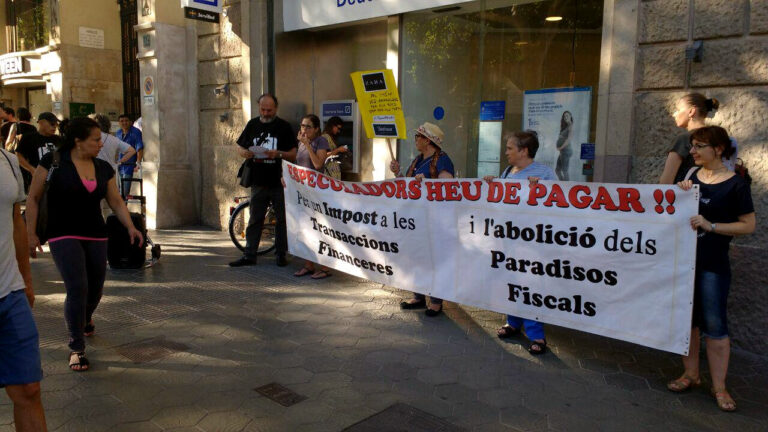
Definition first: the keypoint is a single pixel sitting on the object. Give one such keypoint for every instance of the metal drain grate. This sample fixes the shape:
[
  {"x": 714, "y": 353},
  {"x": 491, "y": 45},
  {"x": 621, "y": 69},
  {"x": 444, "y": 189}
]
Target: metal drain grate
[
  {"x": 284, "y": 396},
  {"x": 403, "y": 417},
  {"x": 148, "y": 350}
]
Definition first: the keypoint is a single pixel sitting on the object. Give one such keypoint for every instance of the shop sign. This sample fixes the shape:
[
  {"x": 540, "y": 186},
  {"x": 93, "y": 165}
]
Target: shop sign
[
  {"x": 379, "y": 104},
  {"x": 201, "y": 15},
  {"x": 304, "y": 14},
  {"x": 11, "y": 65},
  {"x": 215, "y": 6}
]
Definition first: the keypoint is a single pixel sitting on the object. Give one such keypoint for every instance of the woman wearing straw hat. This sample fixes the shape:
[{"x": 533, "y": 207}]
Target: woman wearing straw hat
[{"x": 431, "y": 162}]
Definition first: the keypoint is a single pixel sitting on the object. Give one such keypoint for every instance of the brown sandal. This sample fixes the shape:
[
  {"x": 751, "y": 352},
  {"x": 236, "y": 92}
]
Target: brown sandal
[
  {"x": 684, "y": 383},
  {"x": 724, "y": 400}
]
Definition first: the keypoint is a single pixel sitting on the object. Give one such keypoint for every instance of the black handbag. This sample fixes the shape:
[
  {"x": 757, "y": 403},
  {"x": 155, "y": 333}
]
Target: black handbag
[
  {"x": 41, "y": 227},
  {"x": 246, "y": 173}
]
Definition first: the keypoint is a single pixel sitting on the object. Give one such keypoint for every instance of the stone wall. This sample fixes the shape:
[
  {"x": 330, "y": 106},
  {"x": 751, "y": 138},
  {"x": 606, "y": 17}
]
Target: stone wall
[
  {"x": 734, "y": 69},
  {"x": 220, "y": 63}
]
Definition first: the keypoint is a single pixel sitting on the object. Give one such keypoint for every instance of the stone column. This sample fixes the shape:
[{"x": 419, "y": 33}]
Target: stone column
[
  {"x": 616, "y": 91},
  {"x": 170, "y": 133}
]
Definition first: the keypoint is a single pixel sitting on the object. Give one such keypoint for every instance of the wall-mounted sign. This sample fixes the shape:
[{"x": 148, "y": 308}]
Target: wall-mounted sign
[
  {"x": 215, "y": 6},
  {"x": 201, "y": 15},
  {"x": 77, "y": 109},
  {"x": 303, "y": 14},
  {"x": 492, "y": 110},
  {"x": 11, "y": 65},
  {"x": 146, "y": 40},
  {"x": 149, "y": 86},
  {"x": 91, "y": 37}
]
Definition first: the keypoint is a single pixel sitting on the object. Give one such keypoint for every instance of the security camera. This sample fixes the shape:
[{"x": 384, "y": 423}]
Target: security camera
[{"x": 221, "y": 90}]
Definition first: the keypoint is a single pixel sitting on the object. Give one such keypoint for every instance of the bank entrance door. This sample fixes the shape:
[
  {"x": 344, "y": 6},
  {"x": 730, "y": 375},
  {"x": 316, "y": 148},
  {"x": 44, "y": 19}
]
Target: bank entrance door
[{"x": 128, "y": 19}]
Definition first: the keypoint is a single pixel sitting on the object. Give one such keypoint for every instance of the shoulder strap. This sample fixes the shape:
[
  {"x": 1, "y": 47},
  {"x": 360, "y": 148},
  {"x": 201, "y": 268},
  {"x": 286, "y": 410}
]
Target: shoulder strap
[
  {"x": 433, "y": 164},
  {"x": 506, "y": 171},
  {"x": 54, "y": 165},
  {"x": 690, "y": 173},
  {"x": 331, "y": 142},
  {"x": 13, "y": 170}
]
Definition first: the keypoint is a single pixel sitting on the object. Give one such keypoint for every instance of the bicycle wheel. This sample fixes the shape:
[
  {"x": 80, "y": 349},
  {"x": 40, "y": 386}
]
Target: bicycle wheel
[
  {"x": 238, "y": 222},
  {"x": 267, "y": 243}
]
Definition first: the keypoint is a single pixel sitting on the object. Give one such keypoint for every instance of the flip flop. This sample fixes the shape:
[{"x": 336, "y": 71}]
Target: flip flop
[
  {"x": 302, "y": 272},
  {"x": 320, "y": 275},
  {"x": 82, "y": 364},
  {"x": 542, "y": 347},
  {"x": 506, "y": 332}
]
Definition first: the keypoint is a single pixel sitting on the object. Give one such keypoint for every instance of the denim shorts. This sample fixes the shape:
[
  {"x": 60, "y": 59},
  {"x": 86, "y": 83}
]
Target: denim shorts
[
  {"x": 710, "y": 300},
  {"x": 19, "y": 350}
]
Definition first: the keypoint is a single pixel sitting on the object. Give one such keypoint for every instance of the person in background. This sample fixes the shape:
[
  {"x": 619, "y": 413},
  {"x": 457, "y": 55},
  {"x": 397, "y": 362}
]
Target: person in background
[
  {"x": 19, "y": 128},
  {"x": 6, "y": 124},
  {"x": 77, "y": 235},
  {"x": 433, "y": 162},
  {"x": 132, "y": 136},
  {"x": 113, "y": 150},
  {"x": 521, "y": 150},
  {"x": 331, "y": 132},
  {"x": 690, "y": 112},
  {"x": 20, "y": 369},
  {"x": 36, "y": 144},
  {"x": 312, "y": 152},
  {"x": 725, "y": 210}
]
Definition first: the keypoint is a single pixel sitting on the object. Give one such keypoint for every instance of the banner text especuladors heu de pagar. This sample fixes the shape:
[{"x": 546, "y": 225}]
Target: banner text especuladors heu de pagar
[{"x": 611, "y": 259}]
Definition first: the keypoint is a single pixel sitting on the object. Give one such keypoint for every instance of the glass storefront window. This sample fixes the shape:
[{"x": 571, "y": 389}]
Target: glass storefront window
[
  {"x": 487, "y": 54},
  {"x": 31, "y": 23}
]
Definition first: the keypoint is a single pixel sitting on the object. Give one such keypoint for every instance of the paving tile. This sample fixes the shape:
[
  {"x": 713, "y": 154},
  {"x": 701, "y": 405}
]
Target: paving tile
[
  {"x": 228, "y": 421},
  {"x": 347, "y": 346}
]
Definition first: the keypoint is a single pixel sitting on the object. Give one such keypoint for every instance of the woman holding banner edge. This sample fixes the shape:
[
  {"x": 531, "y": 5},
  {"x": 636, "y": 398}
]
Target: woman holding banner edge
[
  {"x": 521, "y": 149},
  {"x": 431, "y": 161},
  {"x": 725, "y": 210}
]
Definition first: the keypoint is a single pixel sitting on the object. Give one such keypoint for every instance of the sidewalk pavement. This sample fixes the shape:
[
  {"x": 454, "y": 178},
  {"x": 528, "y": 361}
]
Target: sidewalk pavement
[{"x": 182, "y": 346}]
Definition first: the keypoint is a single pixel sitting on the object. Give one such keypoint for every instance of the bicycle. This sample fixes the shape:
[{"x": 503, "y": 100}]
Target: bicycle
[{"x": 240, "y": 214}]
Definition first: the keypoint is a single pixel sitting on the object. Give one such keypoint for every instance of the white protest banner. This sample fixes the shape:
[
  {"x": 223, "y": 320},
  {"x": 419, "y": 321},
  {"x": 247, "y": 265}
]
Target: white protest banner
[{"x": 610, "y": 259}]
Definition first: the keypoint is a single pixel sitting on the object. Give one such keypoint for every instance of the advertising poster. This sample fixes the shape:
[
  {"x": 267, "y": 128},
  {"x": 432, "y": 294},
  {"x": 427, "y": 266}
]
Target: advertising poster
[
  {"x": 561, "y": 117},
  {"x": 609, "y": 259},
  {"x": 379, "y": 103}
]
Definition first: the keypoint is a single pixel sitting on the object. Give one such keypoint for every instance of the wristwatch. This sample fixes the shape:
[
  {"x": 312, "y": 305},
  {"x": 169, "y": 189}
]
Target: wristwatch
[{"x": 712, "y": 227}]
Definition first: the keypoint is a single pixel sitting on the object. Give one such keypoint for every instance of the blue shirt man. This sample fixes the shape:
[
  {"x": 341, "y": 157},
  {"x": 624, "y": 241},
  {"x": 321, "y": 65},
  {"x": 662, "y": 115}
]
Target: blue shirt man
[{"x": 132, "y": 136}]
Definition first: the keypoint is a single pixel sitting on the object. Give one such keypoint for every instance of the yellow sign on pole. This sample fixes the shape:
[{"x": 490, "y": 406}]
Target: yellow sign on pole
[{"x": 379, "y": 104}]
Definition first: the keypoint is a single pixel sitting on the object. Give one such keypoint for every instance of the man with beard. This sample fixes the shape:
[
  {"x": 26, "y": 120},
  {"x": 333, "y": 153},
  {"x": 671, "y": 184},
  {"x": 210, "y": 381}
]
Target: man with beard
[{"x": 265, "y": 141}]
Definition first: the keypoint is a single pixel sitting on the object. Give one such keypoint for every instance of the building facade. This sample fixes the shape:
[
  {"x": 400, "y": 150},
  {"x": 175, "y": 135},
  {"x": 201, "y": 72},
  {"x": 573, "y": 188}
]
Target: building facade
[{"x": 57, "y": 58}]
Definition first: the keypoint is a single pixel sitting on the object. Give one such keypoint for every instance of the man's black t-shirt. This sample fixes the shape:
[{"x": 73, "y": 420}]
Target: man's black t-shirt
[
  {"x": 34, "y": 146},
  {"x": 722, "y": 202},
  {"x": 21, "y": 129},
  {"x": 275, "y": 135}
]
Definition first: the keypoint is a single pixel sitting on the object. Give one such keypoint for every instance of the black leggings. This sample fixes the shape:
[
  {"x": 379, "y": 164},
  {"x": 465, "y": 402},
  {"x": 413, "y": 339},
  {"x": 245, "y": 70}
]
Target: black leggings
[{"x": 83, "y": 267}]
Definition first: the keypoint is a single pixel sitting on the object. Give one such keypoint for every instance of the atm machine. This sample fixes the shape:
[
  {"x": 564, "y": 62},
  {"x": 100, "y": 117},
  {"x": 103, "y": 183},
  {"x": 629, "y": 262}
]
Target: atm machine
[{"x": 349, "y": 113}]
